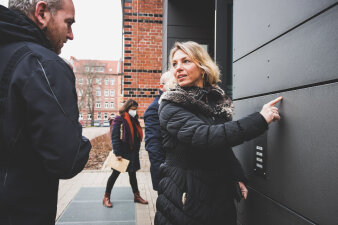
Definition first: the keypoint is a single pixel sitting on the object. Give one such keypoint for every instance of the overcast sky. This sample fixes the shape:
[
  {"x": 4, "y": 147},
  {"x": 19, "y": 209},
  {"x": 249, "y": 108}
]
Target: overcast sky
[{"x": 97, "y": 31}]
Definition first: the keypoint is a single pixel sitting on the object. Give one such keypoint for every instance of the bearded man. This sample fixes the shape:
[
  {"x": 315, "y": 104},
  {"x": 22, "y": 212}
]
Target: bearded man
[{"x": 40, "y": 137}]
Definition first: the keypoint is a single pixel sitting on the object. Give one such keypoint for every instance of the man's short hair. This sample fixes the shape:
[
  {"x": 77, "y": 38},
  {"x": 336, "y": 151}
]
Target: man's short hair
[
  {"x": 27, "y": 7},
  {"x": 167, "y": 80}
]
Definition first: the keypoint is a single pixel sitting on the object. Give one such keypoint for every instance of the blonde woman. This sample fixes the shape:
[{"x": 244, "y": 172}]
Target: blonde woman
[{"x": 200, "y": 172}]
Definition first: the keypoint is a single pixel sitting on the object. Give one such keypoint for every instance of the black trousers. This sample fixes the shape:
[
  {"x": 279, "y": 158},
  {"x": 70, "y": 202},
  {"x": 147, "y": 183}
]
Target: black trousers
[{"x": 113, "y": 177}]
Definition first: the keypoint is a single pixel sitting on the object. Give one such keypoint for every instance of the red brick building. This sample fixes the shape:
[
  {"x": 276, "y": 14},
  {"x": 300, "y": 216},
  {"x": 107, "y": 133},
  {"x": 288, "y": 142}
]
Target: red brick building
[
  {"x": 98, "y": 85},
  {"x": 142, "y": 29}
]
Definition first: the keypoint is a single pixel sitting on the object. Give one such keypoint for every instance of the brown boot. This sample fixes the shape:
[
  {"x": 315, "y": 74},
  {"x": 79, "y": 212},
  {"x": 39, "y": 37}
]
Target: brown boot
[
  {"x": 106, "y": 200},
  {"x": 139, "y": 199}
]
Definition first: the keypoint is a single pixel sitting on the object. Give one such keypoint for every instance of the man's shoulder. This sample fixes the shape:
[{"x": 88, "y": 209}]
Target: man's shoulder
[
  {"x": 153, "y": 106},
  {"x": 35, "y": 51},
  {"x": 42, "y": 52},
  {"x": 51, "y": 62}
]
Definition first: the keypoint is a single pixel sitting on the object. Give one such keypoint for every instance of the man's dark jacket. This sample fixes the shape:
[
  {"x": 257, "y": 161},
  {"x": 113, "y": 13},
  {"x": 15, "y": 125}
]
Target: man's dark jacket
[
  {"x": 41, "y": 138},
  {"x": 153, "y": 140}
]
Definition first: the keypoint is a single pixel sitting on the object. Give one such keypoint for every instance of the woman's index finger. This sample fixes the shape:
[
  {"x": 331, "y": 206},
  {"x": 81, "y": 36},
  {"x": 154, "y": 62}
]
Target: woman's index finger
[{"x": 273, "y": 102}]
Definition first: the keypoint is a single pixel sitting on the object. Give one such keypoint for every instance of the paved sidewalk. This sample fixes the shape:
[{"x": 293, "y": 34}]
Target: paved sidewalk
[{"x": 98, "y": 178}]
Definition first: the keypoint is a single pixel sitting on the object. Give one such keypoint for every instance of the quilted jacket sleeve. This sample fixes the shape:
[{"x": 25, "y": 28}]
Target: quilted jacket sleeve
[{"x": 190, "y": 129}]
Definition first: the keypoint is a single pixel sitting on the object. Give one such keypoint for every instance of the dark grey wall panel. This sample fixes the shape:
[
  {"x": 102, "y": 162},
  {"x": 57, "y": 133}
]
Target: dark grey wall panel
[
  {"x": 302, "y": 151},
  {"x": 189, "y": 20},
  {"x": 306, "y": 55},
  {"x": 258, "y": 22},
  {"x": 189, "y": 32},
  {"x": 191, "y": 13},
  {"x": 257, "y": 209}
]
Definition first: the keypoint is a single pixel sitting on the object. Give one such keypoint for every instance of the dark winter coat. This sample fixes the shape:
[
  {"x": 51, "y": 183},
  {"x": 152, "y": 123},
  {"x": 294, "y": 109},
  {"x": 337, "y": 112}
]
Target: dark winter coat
[
  {"x": 153, "y": 140},
  {"x": 200, "y": 169},
  {"x": 123, "y": 147},
  {"x": 41, "y": 138}
]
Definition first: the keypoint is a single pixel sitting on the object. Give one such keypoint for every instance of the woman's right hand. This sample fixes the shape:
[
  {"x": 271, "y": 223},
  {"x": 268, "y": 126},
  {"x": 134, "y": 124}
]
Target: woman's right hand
[{"x": 270, "y": 112}]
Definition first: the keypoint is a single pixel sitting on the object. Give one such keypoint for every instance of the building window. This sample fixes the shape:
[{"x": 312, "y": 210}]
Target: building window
[
  {"x": 81, "y": 80},
  {"x": 106, "y": 81},
  {"x": 99, "y": 115},
  {"x": 79, "y": 93},
  {"x": 112, "y": 81},
  {"x": 112, "y": 93},
  {"x": 106, "y": 93},
  {"x": 106, "y": 105},
  {"x": 112, "y": 105},
  {"x": 80, "y": 116},
  {"x": 98, "y": 105},
  {"x": 89, "y": 116},
  {"x": 99, "y": 69},
  {"x": 98, "y": 91},
  {"x": 88, "y": 68},
  {"x": 98, "y": 80},
  {"x": 105, "y": 116},
  {"x": 89, "y": 81}
]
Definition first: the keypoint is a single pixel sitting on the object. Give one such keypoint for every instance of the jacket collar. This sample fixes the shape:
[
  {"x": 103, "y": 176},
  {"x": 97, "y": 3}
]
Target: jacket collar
[{"x": 16, "y": 27}]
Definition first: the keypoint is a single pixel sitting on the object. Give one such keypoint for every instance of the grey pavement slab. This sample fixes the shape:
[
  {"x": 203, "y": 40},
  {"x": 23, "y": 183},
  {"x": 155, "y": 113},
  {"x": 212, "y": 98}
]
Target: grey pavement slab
[
  {"x": 96, "y": 194},
  {"x": 86, "y": 208}
]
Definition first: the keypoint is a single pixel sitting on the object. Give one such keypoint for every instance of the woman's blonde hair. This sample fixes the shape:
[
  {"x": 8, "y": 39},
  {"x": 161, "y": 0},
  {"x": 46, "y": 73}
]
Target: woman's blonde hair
[{"x": 202, "y": 59}]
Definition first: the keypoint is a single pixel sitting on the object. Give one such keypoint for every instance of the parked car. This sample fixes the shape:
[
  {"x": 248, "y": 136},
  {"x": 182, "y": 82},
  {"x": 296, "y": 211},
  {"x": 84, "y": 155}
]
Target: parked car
[
  {"x": 105, "y": 123},
  {"x": 97, "y": 123}
]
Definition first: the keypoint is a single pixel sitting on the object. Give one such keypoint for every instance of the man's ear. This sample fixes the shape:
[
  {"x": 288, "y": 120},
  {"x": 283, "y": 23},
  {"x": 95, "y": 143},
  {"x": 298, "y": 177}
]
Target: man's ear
[
  {"x": 41, "y": 14},
  {"x": 161, "y": 87}
]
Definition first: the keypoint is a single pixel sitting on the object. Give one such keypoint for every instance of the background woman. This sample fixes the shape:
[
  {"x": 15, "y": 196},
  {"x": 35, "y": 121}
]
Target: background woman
[
  {"x": 126, "y": 138},
  {"x": 200, "y": 171}
]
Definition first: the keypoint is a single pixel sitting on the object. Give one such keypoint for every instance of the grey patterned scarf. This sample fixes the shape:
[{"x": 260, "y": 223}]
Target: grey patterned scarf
[{"x": 211, "y": 101}]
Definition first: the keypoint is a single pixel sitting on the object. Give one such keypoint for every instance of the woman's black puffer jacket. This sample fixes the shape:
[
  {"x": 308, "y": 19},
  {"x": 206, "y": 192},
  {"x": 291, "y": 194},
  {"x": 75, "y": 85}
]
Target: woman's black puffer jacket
[{"x": 200, "y": 170}]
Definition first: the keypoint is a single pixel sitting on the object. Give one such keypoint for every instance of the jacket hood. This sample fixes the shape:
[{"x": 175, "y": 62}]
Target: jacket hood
[{"x": 16, "y": 27}]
